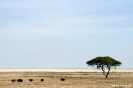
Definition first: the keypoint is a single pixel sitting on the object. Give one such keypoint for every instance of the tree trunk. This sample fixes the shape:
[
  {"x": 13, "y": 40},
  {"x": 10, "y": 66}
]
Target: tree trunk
[
  {"x": 107, "y": 72},
  {"x": 103, "y": 70},
  {"x": 106, "y": 75}
]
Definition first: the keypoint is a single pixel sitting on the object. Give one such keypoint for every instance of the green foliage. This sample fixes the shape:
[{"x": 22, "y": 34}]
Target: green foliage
[{"x": 103, "y": 61}]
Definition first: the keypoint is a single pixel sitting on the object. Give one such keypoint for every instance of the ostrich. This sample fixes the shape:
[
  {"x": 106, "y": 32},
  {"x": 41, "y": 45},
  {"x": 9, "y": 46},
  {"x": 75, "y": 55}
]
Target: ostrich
[
  {"x": 42, "y": 80},
  {"x": 13, "y": 80},
  {"x": 30, "y": 80},
  {"x": 20, "y": 80},
  {"x": 62, "y": 79}
]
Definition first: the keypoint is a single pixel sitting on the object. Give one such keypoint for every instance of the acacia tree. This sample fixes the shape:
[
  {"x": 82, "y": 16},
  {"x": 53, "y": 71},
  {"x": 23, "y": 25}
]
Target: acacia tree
[{"x": 104, "y": 62}]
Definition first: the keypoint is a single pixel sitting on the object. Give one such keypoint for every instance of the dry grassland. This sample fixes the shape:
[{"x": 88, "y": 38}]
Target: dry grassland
[{"x": 73, "y": 79}]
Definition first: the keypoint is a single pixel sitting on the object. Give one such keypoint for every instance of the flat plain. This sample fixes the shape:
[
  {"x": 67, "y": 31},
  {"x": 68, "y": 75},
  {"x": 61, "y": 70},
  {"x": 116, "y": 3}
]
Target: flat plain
[{"x": 72, "y": 79}]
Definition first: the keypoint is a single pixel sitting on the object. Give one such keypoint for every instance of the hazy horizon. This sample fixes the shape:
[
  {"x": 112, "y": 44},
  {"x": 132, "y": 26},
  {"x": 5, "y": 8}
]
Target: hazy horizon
[{"x": 65, "y": 70}]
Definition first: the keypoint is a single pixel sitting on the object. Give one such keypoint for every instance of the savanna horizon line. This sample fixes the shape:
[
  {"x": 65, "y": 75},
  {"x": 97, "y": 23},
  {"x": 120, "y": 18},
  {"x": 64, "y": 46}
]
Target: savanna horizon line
[{"x": 63, "y": 70}]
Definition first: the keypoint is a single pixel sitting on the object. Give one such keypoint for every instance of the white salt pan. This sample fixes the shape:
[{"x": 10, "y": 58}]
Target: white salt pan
[{"x": 64, "y": 70}]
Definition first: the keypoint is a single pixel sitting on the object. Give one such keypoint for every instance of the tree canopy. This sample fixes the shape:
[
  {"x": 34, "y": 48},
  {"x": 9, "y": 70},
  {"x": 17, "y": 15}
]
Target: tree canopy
[
  {"x": 99, "y": 61},
  {"x": 102, "y": 62}
]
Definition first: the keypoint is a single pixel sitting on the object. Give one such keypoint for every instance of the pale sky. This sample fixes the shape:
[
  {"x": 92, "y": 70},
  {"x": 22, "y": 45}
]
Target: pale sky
[{"x": 65, "y": 33}]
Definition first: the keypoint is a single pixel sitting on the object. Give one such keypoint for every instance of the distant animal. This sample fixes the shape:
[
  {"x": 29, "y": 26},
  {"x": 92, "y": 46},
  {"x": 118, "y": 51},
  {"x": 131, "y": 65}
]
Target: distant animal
[
  {"x": 20, "y": 80},
  {"x": 30, "y": 80},
  {"x": 42, "y": 80},
  {"x": 13, "y": 80},
  {"x": 62, "y": 79}
]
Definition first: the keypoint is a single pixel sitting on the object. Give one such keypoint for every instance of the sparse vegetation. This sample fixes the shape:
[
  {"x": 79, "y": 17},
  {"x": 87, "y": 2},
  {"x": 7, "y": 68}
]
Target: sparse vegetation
[{"x": 72, "y": 79}]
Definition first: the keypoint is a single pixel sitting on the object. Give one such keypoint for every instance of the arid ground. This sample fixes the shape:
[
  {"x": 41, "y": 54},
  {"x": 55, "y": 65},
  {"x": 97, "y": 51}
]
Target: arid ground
[{"x": 72, "y": 79}]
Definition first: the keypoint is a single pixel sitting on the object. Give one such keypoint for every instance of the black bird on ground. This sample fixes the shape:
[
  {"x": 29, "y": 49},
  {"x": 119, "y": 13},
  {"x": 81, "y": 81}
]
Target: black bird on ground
[
  {"x": 30, "y": 80},
  {"x": 62, "y": 79},
  {"x": 42, "y": 80},
  {"x": 20, "y": 80},
  {"x": 13, "y": 80}
]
